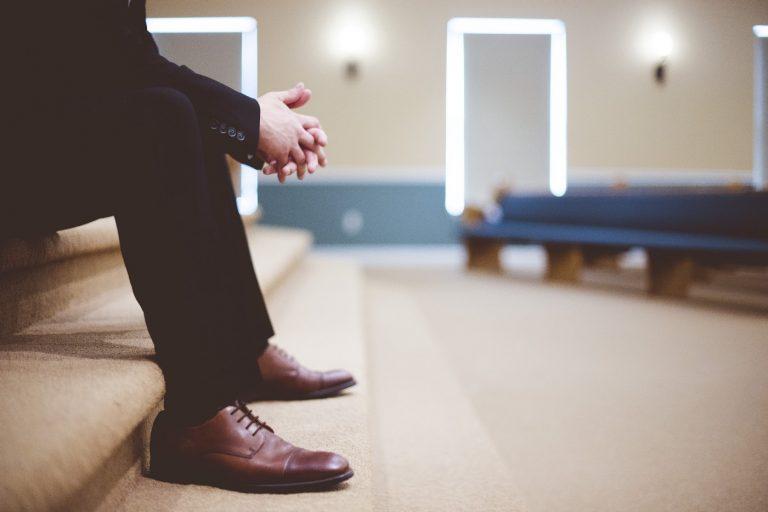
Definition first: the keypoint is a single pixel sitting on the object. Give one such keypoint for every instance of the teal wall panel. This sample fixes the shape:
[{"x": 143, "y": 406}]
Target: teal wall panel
[{"x": 361, "y": 213}]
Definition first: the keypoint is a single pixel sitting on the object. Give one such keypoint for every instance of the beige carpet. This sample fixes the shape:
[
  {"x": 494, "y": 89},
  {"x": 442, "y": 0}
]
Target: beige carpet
[
  {"x": 601, "y": 399},
  {"x": 275, "y": 252},
  {"x": 73, "y": 389},
  {"x": 97, "y": 236},
  {"x": 432, "y": 452}
]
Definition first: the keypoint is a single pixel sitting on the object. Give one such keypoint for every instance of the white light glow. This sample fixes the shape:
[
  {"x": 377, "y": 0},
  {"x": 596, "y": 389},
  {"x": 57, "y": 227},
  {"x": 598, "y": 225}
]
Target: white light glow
[
  {"x": 248, "y": 201},
  {"x": 351, "y": 36},
  {"x": 351, "y": 42},
  {"x": 454, "y": 96},
  {"x": 660, "y": 46},
  {"x": 760, "y": 30}
]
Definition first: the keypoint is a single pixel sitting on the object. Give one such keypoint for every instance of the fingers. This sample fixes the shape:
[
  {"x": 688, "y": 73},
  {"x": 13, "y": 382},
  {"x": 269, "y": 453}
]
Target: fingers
[
  {"x": 301, "y": 171},
  {"x": 286, "y": 171},
  {"x": 309, "y": 121},
  {"x": 306, "y": 95},
  {"x": 270, "y": 168},
  {"x": 313, "y": 159},
  {"x": 321, "y": 158},
  {"x": 292, "y": 95},
  {"x": 306, "y": 139},
  {"x": 282, "y": 160},
  {"x": 321, "y": 139},
  {"x": 312, "y": 162},
  {"x": 297, "y": 155}
]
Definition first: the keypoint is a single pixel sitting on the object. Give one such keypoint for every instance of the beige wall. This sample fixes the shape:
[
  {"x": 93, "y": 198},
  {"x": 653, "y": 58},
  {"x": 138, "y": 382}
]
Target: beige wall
[{"x": 393, "y": 115}]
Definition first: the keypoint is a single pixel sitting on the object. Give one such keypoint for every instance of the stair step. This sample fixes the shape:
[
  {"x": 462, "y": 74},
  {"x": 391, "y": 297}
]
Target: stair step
[
  {"x": 276, "y": 251},
  {"x": 42, "y": 275},
  {"x": 97, "y": 236},
  {"x": 77, "y": 386},
  {"x": 431, "y": 450},
  {"x": 317, "y": 314}
]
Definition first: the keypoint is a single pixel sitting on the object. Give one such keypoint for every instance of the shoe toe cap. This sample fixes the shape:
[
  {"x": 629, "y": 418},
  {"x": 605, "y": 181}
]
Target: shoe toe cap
[
  {"x": 336, "y": 378},
  {"x": 306, "y": 465}
]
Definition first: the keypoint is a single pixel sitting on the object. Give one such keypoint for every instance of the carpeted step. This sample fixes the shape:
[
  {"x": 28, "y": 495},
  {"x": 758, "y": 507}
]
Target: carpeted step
[
  {"x": 317, "y": 314},
  {"x": 431, "y": 451},
  {"x": 276, "y": 252},
  {"x": 42, "y": 275},
  {"x": 77, "y": 387},
  {"x": 20, "y": 253}
]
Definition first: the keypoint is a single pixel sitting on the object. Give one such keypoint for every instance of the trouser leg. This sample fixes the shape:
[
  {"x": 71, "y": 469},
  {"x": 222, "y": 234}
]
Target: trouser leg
[
  {"x": 244, "y": 284},
  {"x": 187, "y": 258}
]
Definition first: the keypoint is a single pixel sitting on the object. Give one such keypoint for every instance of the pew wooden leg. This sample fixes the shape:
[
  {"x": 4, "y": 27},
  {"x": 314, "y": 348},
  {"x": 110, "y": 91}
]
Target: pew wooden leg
[
  {"x": 669, "y": 274},
  {"x": 483, "y": 254},
  {"x": 702, "y": 274},
  {"x": 603, "y": 261},
  {"x": 564, "y": 262}
]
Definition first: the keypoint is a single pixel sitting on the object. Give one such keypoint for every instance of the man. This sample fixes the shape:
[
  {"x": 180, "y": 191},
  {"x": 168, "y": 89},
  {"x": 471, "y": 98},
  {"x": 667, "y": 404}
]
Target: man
[{"x": 106, "y": 126}]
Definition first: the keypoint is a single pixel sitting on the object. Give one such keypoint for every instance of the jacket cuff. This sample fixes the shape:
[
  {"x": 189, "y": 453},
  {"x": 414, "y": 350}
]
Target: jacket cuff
[
  {"x": 235, "y": 141},
  {"x": 236, "y": 130}
]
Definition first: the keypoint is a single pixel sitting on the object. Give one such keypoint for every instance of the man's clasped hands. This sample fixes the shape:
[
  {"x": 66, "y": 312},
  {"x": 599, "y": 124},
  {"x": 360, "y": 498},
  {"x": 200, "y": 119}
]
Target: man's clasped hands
[{"x": 290, "y": 142}]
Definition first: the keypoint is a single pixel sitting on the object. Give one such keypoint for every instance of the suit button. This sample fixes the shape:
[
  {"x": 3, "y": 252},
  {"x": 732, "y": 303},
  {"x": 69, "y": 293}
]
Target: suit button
[
  {"x": 250, "y": 156},
  {"x": 240, "y": 136},
  {"x": 222, "y": 128},
  {"x": 214, "y": 125},
  {"x": 231, "y": 132}
]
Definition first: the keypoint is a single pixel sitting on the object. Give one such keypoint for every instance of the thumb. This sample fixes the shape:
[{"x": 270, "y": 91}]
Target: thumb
[{"x": 292, "y": 95}]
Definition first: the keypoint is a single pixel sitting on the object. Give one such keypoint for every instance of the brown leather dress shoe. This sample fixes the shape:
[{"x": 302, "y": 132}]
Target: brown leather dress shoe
[
  {"x": 235, "y": 450},
  {"x": 283, "y": 378}
]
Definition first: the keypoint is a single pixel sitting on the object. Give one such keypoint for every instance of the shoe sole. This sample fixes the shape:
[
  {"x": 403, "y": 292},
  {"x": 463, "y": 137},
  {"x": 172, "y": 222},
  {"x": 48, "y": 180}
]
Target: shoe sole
[
  {"x": 314, "y": 395},
  {"x": 286, "y": 488},
  {"x": 326, "y": 392}
]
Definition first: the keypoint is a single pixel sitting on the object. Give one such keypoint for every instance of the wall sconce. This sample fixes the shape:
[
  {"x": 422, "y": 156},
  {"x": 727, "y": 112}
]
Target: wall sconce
[
  {"x": 660, "y": 46},
  {"x": 352, "y": 69},
  {"x": 351, "y": 42}
]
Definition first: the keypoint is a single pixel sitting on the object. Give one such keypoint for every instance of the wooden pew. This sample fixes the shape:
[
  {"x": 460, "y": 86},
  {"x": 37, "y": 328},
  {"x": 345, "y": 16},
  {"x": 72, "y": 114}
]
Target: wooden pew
[{"x": 681, "y": 232}]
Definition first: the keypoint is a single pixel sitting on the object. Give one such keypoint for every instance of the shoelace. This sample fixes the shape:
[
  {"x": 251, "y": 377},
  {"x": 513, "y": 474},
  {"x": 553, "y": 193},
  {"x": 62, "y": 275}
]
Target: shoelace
[
  {"x": 254, "y": 420},
  {"x": 283, "y": 353}
]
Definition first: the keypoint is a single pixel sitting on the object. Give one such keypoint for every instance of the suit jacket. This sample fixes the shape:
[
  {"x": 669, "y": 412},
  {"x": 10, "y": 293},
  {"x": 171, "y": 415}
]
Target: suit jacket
[{"x": 63, "y": 52}]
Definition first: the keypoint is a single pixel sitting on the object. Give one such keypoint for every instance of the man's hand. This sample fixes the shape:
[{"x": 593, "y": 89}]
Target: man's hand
[
  {"x": 315, "y": 157},
  {"x": 311, "y": 147},
  {"x": 282, "y": 133}
]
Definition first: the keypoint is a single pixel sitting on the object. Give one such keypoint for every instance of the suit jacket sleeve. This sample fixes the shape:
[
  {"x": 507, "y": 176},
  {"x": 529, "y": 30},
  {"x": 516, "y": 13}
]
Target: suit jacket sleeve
[{"x": 227, "y": 117}]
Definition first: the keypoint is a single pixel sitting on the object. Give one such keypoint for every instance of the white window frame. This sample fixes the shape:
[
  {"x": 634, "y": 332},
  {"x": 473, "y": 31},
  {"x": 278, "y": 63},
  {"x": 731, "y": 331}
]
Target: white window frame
[{"x": 454, "y": 100}]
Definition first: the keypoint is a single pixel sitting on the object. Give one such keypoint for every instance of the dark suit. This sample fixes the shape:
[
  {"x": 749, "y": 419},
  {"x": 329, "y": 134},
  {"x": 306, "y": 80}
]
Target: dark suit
[{"x": 103, "y": 125}]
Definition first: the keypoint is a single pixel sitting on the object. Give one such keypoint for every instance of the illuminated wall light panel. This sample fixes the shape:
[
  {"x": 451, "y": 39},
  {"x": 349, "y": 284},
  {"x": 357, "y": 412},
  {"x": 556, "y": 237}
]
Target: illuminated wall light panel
[
  {"x": 760, "y": 162},
  {"x": 248, "y": 201},
  {"x": 454, "y": 96}
]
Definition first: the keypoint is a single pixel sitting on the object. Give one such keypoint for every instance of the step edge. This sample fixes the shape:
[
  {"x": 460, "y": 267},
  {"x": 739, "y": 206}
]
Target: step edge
[{"x": 20, "y": 253}]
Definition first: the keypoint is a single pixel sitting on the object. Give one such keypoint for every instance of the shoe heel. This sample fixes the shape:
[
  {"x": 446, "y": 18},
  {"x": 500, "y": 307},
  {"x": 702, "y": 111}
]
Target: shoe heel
[
  {"x": 164, "y": 471},
  {"x": 162, "y": 464}
]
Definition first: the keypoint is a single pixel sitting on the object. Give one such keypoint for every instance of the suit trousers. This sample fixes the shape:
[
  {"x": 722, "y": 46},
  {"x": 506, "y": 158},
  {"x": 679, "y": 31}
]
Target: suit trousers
[{"x": 142, "y": 157}]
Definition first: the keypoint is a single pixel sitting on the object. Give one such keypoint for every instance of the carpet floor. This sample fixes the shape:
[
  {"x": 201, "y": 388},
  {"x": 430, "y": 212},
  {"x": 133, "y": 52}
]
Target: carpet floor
[
  {"x": 432, "y": 453},
  {"x": 600, "y": 398}
]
